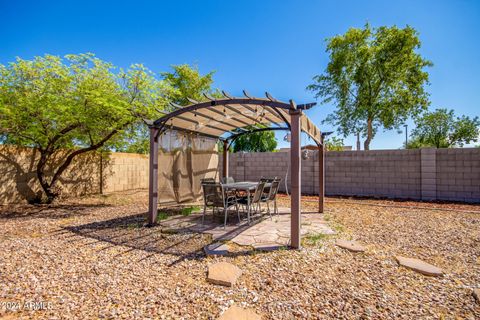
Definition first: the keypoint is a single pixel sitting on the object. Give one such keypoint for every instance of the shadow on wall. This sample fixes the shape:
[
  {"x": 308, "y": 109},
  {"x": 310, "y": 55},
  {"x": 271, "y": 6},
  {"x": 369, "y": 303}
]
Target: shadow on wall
[{"x": 18, "y": 178}]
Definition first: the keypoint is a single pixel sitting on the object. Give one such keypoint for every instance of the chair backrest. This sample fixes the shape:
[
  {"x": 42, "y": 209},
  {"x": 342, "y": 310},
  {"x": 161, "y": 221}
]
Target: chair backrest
[
  {"x": 213, "y": 194},
  {"x": 274, "y": 189},
  {"x": 257, "y": 195},
  {"x": 228, "y": 180},
  {"x": 268, "y": 180},
  {"x": 207, "y": 180}
]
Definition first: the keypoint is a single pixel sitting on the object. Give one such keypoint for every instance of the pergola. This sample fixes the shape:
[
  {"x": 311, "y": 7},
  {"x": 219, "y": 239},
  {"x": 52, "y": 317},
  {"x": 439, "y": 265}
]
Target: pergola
[{"x": 228, "y": 118}]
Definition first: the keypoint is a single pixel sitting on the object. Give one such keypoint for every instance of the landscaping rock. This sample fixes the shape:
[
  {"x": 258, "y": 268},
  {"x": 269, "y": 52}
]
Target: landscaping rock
[
  {"x": 476, "y": 294},
  {"x": 350, "y": 245},
  {"x": 216, "y": 249},
  {"x": 223, "y": 273},
  {"x": 238, "y": 313},
  {"x": 420, "y": 266}
]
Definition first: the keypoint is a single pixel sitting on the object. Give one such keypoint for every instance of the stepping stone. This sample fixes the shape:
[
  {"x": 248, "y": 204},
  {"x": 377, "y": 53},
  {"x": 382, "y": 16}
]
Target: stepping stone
[
  {"x": 216, "y": 249},
  {"x": 419, "y": 266},
  {"x": 476, "y": 294},
  {"x": 223, "y": 273},
  {"x": 238, "y": 313},
  {"x": 350, "y": 245}
]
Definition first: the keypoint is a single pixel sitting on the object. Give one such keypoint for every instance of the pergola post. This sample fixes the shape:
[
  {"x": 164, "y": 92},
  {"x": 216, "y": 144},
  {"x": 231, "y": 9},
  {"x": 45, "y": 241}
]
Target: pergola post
[
  {"x": 321, "y": 176},
  {"x": 295, "y": 173},
  {"x": 225, "y": 158},
  {"x": 153, "y": 177}
]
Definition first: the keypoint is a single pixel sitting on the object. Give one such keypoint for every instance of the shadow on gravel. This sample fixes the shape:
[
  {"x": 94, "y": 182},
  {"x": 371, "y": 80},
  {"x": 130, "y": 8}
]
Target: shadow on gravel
[
  {"x": 52, "y": 211},
  {"x": 130, "y": 232}
]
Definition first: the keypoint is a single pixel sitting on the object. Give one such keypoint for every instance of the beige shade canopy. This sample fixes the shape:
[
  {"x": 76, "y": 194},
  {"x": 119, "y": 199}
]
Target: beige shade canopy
[{"x": 227, "y": 117}]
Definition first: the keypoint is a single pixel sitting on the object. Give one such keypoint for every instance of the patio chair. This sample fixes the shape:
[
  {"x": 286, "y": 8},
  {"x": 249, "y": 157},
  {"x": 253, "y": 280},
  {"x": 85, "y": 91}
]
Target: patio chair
[
  {"x": 255, "y": 199},
  {"x": 214, "y": 196},
  {"x": 272, "y": 196},
  {"x": 268, "y": 181}
]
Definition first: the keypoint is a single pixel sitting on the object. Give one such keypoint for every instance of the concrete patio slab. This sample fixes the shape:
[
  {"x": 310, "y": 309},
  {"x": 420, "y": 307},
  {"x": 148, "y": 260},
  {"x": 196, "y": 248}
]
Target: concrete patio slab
[{"x": 216, "y": 249}]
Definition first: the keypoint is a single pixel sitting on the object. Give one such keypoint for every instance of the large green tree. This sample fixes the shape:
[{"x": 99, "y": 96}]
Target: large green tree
[
  {"x": 182, "y": 82},
  {"x": 185, "y": 81},
  {"x": 442, "y": 129},
  {"x": 262, "y": 141},
  {"x": 334, "y": 144},
  {"x": 376, "y": 79},
  {"x": 77, "y": 104}
]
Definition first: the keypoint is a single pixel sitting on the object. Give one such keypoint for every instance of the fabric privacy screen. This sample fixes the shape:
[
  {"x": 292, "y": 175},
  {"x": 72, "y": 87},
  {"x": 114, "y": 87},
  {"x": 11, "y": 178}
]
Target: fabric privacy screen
[{"x": 183, "y": 160}]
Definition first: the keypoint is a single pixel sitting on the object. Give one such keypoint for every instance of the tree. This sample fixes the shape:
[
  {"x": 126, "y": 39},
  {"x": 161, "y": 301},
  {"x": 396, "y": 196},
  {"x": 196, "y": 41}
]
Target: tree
[
  {"x": 76, "y": 104},
  {"x": 376, "y": 79},
  {"x": 334, "y": 144},
  {"x": 176, "y": 86},
  {"x": 442, "y": 129},
  {"x": 262, "y": 141},
  {"x": 187, "y": 82}
]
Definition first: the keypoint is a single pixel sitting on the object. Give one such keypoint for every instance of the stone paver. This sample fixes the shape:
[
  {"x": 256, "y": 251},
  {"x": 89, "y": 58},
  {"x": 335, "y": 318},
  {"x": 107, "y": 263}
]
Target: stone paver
[
  {"x": 223, "y": 273},
  {"x": 216, "y": 249},
  {"x": 350, "y": 245},
  {"x": 419, "y": 266},
  {"x": 476, "y": 294},
  {"x": 266, "y": 237},
  {"x": 238, "y": 313}
]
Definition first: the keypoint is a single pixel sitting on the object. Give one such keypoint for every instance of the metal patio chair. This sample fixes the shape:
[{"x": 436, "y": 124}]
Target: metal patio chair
[
  {"x": 268, "y": 181},
  {"x": 272, "y": 196},
  {"x": 214, "y": 196},
  {"x": 255, "y": 199}
]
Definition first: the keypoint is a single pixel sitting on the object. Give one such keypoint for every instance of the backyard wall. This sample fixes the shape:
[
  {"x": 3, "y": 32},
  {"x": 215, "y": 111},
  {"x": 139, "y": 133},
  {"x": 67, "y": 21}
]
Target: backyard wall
[
  {"x": 421, "y": 174},
  {"x": 88, "y": 174}
]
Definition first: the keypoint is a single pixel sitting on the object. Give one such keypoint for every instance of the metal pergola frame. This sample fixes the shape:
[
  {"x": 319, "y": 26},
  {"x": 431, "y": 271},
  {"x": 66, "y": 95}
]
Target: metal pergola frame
[{"x": 289, "y": 113}]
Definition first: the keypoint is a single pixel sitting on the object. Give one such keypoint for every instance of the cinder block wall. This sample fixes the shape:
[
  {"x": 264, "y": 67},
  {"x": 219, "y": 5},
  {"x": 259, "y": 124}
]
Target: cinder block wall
[
  {"x": 88, "y": 174},
  {"x": 425, "y": 174},
  {"x": 420, "y": 174},
  {"x": 458, "y": 174},
  {"x": 382, "y": 173},
  {"x": 126, "y": 171}
]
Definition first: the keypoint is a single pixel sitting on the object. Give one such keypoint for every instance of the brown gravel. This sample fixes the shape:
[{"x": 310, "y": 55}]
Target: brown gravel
[{"x": 93, "y": 259}]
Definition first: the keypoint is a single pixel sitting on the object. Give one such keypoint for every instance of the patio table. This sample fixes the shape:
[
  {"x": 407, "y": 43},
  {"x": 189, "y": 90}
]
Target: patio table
[{"x": 246, "y": 186}]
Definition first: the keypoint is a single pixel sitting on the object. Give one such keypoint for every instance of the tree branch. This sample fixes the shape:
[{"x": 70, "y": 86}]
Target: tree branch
[{"x": 72, "y": 155}]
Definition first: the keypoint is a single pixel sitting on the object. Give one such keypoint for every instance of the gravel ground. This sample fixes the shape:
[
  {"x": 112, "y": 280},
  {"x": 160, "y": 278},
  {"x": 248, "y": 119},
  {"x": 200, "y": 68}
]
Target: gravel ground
[{"x": 92, "y": 258}]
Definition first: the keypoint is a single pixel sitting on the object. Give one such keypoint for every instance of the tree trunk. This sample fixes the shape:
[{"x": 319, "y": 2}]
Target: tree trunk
[
  {"x": 366, "y": 144},
  {"x": 40, "y": 171},
  {"x": 48, "y": 187}
]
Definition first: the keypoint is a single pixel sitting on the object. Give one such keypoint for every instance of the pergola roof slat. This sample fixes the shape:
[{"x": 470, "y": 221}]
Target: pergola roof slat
[
  {"x": 265, "y": 116},
  {"x": 229, "y": 115}
]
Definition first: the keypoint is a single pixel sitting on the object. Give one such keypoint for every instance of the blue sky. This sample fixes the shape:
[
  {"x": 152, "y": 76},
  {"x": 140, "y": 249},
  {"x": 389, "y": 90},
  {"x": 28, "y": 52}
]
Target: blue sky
[{"x": 274, "y": 46}]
